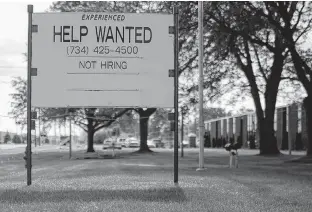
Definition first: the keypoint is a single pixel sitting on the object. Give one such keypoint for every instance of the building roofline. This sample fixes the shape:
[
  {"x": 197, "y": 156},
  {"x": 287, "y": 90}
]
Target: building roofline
[{"x": 245, "y": 114}]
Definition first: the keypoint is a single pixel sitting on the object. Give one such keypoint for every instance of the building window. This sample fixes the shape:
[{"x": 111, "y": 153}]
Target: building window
[
  {"x": 287, "y": 118},
  {"x": 221, "y": 130},
  {"x": 234, "y": 123},
  {"x": 251, "y": 123},
  {"x": 228, "y": 126},
  {"x": 255, "y": 123},
  {"x": 299, "y": 118}
]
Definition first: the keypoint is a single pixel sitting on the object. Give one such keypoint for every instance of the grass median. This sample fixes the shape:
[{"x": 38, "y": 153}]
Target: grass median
[{"x": 144, "y": 182}]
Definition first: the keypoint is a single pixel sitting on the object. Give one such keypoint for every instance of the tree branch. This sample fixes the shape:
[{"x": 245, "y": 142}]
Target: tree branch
[
  {"x": 244, "y": 35},
  {"x": 247, "y": 50},
  {"x": 108, "y": 123},
  {"x": 259, "y": 64},
  {"x": 304, "y": 31},
  {"x": 79, "y": 121},
  {"x": 81, "y": 126},
  {"x": 293, "y": 29},
  {"x": 290, "y": 78}
]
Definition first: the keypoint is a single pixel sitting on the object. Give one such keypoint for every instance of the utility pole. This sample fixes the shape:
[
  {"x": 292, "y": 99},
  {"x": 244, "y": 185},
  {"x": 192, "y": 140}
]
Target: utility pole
[
  {"x": 39, "y": 117},
  {"x": 200, "y": 65},
  {"x": 182, "y": 131},
  {"x": 29, "y": 60},
  {"x": 35, "y": 132}
]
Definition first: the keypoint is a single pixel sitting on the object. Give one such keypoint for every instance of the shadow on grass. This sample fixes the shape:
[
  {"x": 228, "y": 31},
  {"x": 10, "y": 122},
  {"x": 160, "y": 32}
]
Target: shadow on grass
[
  {"x": 173, "y": 194},
  {"x": 118, "y": 155},
  {"x": 304, "y": 159},
  {"x": 137, "y": 153},
  {"x": 100, "y": 157}
]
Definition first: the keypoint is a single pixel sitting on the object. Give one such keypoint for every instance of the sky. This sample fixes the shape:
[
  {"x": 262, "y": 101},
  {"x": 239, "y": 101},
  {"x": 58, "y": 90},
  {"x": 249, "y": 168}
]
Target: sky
[
  {"x": 13, "y": 43},
  {"x": 13, "y": 40}
]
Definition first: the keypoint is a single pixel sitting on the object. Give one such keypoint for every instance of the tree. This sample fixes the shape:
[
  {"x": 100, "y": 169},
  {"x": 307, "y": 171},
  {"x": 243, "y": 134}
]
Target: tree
[
  {"x": 240, "y": 37},
  {"x": 244, "y": 110},
  {"x": 100, "y": 136},
  {"x": 158, "y": 122},
  {"x": 128, "y": 123},
  {"x": 213, "y": 113},
  {"x": 19, "y": 100},
  {"x": 16, "y": 139},
  {"x": 7, "y": 138},
  {"x": 294, "y": 25},
  {"x": 90, "y": 120},
  {"x": 144, "y": 118},
  {"x": 187, "y": 41}
]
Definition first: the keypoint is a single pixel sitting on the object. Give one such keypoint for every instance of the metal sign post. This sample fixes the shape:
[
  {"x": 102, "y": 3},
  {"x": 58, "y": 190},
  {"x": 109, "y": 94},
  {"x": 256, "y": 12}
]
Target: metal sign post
[
  {"x": 39, "y": 127},
  {"x": 29, "y": 58},
  {"x": 182, "y": 131},
  {"x": 70, "y": 137},
  {"x": 35, "y": 126},
  {"x": 200, "y": 65},
  {"x": 176, "y": 91},
  {"x": 75, "y": 61}
]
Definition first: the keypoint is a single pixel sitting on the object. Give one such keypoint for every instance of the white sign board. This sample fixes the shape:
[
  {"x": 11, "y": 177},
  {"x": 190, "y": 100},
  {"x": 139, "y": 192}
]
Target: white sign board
[{"x": 102, "y": 60}]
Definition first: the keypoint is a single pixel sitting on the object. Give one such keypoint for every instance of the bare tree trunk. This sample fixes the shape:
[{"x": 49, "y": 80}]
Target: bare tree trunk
[
  {"x": 268, "y": 145},
  {"x": 90, "y": 140},
  {"x": 144, "y": 134},
  {"x": 268, "y": 142},
  {"x": 90, "y": 130},
  {"x": 144, "y": 117},
  {"x": 307, "y": 103}
]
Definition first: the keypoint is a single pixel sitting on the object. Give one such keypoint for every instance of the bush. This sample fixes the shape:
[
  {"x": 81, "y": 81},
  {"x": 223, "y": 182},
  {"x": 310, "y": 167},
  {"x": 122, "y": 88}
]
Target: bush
[
  {"x": 99, "y": 137},
  {"x": 214, "y": 142},
  {"x": 7, "y": 138},
  {"x": 239, "y": 140},
  {"x": 232, "y": 139},
  {"x": 207, "y": 140},
  {"x": 299, "y": 144},
  {"x": 17, "y": 139},
  {"x": 252, "y": 142},
  {"x": 46, "y": 141}
]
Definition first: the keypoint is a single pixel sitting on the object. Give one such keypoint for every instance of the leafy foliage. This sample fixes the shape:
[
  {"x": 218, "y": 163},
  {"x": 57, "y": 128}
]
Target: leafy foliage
[
  {"x": 16, "y": 139},
  {"x": 159, "y": 124},
  {"x": 90, "y": 119},
  {"x": 19, "y": 100},
  {"x": 7, "y": 138}
]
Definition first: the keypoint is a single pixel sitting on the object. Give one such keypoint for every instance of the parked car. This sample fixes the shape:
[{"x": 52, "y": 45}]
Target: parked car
[
  {"x": 133, "y": 143},
  {"x": 158, "y": 143},
  {"x": 186, "y": 143},
  {"x": 151, "y": 144},
  {"x": 109, "y": 144},
  {"x": 122, "y": 142}
]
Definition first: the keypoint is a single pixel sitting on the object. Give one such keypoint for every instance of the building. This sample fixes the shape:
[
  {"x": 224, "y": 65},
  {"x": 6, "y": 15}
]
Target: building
[{"x": 289, "y": 125}]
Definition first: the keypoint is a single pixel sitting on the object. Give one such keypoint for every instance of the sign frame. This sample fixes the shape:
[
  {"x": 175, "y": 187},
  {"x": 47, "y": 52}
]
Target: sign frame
[
  {"x": 102, "y": 87},
  {"x": 33, "y": 72}
]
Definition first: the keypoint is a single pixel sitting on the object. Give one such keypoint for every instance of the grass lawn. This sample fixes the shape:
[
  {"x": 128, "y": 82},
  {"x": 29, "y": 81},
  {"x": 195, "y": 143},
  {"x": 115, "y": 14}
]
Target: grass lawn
[{"x": 144, "y": 182}]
